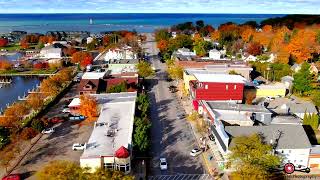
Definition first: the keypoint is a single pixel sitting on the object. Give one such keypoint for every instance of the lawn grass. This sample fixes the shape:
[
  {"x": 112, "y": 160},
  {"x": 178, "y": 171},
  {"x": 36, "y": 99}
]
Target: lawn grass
[{"x": 12, "y": 47}]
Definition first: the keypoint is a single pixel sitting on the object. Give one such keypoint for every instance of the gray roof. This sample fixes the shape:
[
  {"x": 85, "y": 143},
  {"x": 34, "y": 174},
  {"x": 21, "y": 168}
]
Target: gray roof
[
  {"x": 293, "y": 105},
  {"x": 237, "y": 107},
  {"x": 292, "y": 136},
  {"x": 286, "y": 120}
]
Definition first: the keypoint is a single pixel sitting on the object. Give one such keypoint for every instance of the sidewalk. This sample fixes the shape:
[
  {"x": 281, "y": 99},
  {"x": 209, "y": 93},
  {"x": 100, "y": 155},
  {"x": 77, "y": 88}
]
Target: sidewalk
[{"x": 212, "y": 155}]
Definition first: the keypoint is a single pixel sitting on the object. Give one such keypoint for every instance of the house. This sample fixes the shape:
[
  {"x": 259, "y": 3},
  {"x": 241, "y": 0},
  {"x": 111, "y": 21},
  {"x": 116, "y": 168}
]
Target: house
[
  {"x": 296, "y": 67},
  {"x": 250, "y": 58},
  {"x": 216, "y": 87},
  {"x": 292, "y": 106},
  {"x": 230, "y": 113},
  {"x": 51, "y": 51},
  {"x": 288, "y": 82},
  {"x": 90, "y": 86},
  {"x": 110, "y": 143},
  {"x": 125, "y": 52},
  {"x": 288, "y": 141},
  {"x": 183, "y": 54},
  {"x": 214, "y": 54},
  {"x": 271, "y": 90}
]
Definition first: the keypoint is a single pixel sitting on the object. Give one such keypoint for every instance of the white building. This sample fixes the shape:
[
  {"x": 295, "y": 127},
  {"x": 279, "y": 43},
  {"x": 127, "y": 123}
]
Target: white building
[
  {"x": 93, "y": 75},
  {"x": 214, "y": 54},
  {"x": 110, "y": 144},
  {"x": 123, "y": 53},
  {"x": 50, "y": 52},
  {"x": 288, "y": 141}
]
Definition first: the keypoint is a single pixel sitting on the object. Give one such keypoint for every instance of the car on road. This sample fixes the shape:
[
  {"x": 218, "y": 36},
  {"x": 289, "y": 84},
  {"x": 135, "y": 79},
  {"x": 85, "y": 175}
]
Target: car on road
[
  {"x": 163, "y": 164},
  {"x": 12, "y": 177},
  {"x": 195, "y": 152},
  {"x": 56, "y": 120},
  {"x": 66, "y": 110},
  {"x": 77, "y": 118},
  {"x": 48, "y": 131},
  {"x": 181, "y": 115},
  {"x": 78, "y": 146}
]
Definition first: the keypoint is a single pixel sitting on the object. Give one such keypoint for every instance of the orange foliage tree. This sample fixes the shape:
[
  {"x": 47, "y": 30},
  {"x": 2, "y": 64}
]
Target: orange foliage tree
[
  {"x": 35, "y": 101},
  {"x": 246, "y": 32},
  {"x": 267, "y": 28},
  {"x": 215, "y": 35},
  {"x": 88, "y": 106},
  {"x": 14, "y": 114},
  {"x": 5, "y": 65},
  {"x": 302, "y": 45},
  {"x": 254, "y": 48},
  {"x": 163, "y": 45}
]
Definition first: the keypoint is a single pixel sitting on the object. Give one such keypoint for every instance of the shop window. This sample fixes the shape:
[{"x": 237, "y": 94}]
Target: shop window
[
  {"x": 227, "y": 87},
  {"x": 235, "y": 87},
  {"x": 127, "y": 167},
  {"x": 108, "y": 165},
  {"x": 123, "y": 168},
  {"x": 206, "y": 86}
]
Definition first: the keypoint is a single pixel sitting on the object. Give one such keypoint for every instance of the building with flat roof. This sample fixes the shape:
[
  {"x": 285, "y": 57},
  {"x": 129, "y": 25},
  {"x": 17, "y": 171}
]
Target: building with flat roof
[
  {"x": 230, "y": 113},
  {"x": 94, "y": 75},
  {"x": 110, "y": 144}
]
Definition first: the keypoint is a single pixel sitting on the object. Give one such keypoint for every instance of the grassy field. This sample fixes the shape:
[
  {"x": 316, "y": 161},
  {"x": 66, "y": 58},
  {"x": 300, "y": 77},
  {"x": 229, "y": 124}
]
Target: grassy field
[{"x": 15, "y": 72}]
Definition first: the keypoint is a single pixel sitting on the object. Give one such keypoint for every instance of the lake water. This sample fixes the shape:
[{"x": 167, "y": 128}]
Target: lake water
[
  {"x": 42, "y": 23},
  {"x": 19, "y": 86}
]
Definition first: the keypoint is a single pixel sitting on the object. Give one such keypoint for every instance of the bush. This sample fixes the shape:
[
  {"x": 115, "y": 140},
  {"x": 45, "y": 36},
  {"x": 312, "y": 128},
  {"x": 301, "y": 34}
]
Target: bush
[
  {"x": 28, "y": 133},
  {"x": 4, "y": 137},
  {"x": 37, "y": 125}
]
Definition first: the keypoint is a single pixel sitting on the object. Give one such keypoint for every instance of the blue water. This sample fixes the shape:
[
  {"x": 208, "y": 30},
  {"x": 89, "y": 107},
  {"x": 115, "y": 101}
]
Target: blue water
[{"x": 106, "y": 22}]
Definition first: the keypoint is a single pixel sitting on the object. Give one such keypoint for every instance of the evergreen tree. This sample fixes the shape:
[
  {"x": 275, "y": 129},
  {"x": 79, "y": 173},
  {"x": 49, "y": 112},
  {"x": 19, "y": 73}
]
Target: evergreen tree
[{"x": 302, "y": 79}]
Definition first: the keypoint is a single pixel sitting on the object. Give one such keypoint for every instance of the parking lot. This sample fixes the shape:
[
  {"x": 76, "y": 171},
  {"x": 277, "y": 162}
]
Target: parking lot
[{"x": 58, "y": 145}]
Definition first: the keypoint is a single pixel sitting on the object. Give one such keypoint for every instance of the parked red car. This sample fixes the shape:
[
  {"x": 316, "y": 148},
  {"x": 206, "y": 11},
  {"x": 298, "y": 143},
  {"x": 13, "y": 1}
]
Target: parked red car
[
  {"x": 12, "y": 177},
  {"x": 56, "y": 120}
]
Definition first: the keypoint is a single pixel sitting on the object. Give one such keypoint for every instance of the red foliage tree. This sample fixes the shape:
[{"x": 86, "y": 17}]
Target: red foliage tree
[
  {"x": 41, "y": 65},
  {"x": 86, "y": 61},
  {"x": 254, "y": 48},
  {"x": 5, "y": 65},
  {"x": 3, "y": 42},
  {"x": 24, "y": 44},
  {"x": 82, "y": 57}
]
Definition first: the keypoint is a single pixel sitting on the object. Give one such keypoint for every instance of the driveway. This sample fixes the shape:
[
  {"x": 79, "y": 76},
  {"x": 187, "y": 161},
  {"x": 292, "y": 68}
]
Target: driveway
[{"x": 172, "y": 138}]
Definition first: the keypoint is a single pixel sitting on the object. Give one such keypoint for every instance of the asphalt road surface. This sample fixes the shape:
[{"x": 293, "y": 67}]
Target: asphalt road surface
[{"x": 172, "y": 138}]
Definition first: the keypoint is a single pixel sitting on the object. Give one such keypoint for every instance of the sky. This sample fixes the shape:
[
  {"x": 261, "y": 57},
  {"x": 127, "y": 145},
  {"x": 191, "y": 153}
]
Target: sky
[{"x": 162, "y": 6}]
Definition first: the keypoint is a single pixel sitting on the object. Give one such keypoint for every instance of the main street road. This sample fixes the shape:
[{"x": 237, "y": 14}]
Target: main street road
[{"x": 172, "y": 138}]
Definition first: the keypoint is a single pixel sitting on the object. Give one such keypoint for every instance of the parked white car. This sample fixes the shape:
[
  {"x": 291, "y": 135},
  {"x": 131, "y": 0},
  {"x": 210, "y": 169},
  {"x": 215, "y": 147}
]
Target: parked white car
[
  {"x": 78, "y": 146},
  {"x": 163, "y": 164},
  {"x": 195, "y": 152},
  {"x": 48, "y": 131},
  {"x": 66, "y": 110}
]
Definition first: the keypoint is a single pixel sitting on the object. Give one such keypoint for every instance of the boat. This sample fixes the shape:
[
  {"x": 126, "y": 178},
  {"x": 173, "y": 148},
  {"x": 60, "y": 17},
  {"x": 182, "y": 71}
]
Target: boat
[{"x": 91, "y": 21}]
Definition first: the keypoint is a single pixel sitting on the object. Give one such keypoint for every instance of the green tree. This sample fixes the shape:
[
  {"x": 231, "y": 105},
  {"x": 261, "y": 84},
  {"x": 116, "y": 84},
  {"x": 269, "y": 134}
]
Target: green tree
[
  {"x": 142, "y": 105},
  {"x": 162, "y": 34},
  {"x": 315, "y": 96},
  {"x": 302, "y": 79},
  {"x": 144, "y": 69},
  {"x": 37, "y": 125},
  {"x": 311, "y": 120},
  {"x": 141, "y": 137},
  {"x": 122, "y": 87},
  {"x": 252, "y": 158}
]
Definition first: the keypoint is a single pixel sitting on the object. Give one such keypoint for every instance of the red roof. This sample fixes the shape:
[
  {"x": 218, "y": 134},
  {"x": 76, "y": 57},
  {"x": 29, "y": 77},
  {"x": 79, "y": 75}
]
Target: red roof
[{"x": 122, "y": 152}]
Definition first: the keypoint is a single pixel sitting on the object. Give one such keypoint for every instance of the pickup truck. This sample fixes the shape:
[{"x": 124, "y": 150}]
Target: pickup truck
[{"x": 77, "y": 118}]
